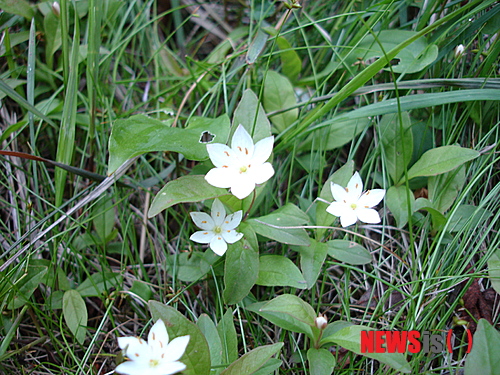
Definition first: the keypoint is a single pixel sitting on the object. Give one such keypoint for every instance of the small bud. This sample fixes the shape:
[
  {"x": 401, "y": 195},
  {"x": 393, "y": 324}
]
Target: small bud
[
  {"x": 459, "y": 51},
  {"x": 321, "y": 322},
  {"x": 56, "y": 8}
]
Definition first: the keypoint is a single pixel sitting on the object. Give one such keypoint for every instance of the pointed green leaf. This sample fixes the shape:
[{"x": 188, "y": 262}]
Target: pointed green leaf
[
  {"x": 311, "y": 261},
  {"x": 75, "y": 314},
  {"x": 291, "y": 65},
  {"x": 321, "y": 361},
  {"x": 252, "y": 361},
  {"x": 252, "y": 116},
  {"x": 20, "y": 7},
  {"x": 348, "y": 252},
  {"x": 276, "y": 270},
  {"x": 279, "y": 94},
  {"x": 484, "y": 357},
  {"x": 397, "y": 201},
  {"x": 228, "y": 337},
  {"x": 207, "y": 327},
  {"x": 494, "y": 270}
]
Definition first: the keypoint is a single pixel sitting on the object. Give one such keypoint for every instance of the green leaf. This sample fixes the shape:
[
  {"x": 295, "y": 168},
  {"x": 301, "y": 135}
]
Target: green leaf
[
  {"x": 242, "y": 267},
  {"x": 252, "y": 116},
  {"x": 252, "y": 361},
  {"x": 75, "y": 314},
  {"x": 27, "y": 285},
  {"x": 141, "y": 289},
  {"x": 443, "y": 189},
  {"x": 291, "y": 65},
  {"x": 350, "y": 338},
  {"x": 256, "y": 47},
  {"x": 207, "y": 327},
  {"x": 191, "y": 266},
  {"x": 438, "y": 219},
  {"x": 348, "y": 252},
  {"x": 494, "y": 270},
  {"x": 484, "y": 357},
  {"x": 276, "y": 270},
  {"x": 98, "y": 283},
  {"x": 228, "y": 337},
  {"x": 104, "y": 218},
  {"x": 140, "y": 134},
  {"x": 311, "y": 261},
  {"x": 396, "y": 200},
  {"x": 467, "y": 216},
  {"x": 270, "y": 367},
  {"x": 275, "y": 225},
  {"x": 278, "y": 95},
  {"x": 321, "y": 361},
  {"x": 397, "y": 141},
  {"x": 331, "y": 329},
  {"x": 186, "y": 189},
  {"x": 20, "y": 7},
  {"x": 197, "y": 354},
  {"x": 440, "y": 160}
]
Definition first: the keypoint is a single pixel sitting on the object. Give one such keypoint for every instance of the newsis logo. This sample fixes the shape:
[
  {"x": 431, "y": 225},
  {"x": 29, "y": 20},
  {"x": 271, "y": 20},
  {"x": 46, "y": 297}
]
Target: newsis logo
[{"x": 411, "y": 341}]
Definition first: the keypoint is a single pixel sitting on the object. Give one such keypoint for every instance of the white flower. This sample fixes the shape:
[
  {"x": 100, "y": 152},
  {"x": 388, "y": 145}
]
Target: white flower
[
  {"x": 459, "y": 50},
  {"x": 351, "y": 204},
  {"x": 321, "y": 322},
  {"x": 241, "y": 166},
  {"x": 217, "y": 230},
  {"x": 156, "y": 357}
]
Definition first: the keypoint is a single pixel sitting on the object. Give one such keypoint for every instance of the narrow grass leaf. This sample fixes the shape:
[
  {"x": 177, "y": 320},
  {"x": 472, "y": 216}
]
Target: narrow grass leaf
[{"x": 256, "y": 47}]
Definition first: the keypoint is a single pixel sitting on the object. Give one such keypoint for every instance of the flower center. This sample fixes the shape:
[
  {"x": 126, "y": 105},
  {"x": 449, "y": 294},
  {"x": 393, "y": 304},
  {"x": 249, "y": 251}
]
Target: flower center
[
  {"x": 353, "y": 206},
  {"x": 218, "y": 230},
  {"x": 243, "y": 169},
  {"x": 153, "y": 363}
]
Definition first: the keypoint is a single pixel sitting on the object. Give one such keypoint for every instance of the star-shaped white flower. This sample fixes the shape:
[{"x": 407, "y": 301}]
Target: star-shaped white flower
[
  {"x": 351, "y": 204},
  {"x": 217, "y": 230},
  {"x": 156, "y": 357},
  {"x": 241, "y": 166}
]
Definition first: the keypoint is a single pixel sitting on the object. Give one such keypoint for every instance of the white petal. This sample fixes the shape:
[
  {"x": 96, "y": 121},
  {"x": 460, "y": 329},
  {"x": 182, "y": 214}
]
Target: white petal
[
  {"x": 218, "y": 212},
  {"x": 348, "y": 218},
  {"x": 371, "y": 198},
  {"x": 221, "y": 155},
  {"x": 132, "y": 368},
  {"x": 242, "y": 186},
  {"x": 242, "y": 143},
  {"x": 338, "y": 193},
  {"x": 263, "y": 150},
  {"x": 175, "y": 350},
  {"x": 202, "y": 220},
  {"x": 218, "y": 245},
  {"x": 355, "y": 185},
  {"x": 231, "y": 236},
  {"x": 158, "y": 338},
  {"x": 202, "y": 236},
  {"x": 169, "y": 369},
  {"x": 368, "y": 215},
  {"x": 221, "y": 177},
  {"x": 338, "y": 209},
  {"x": 233, "y": 220},
  {"x": 135, "y": 349},
  {"x": 261, "y": 173}
]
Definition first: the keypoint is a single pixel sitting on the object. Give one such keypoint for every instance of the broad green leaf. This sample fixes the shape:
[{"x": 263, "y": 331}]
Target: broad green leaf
[
  {"x": 494, "y": 270},
  {"x": 276, "y": 225},
  {"x": 252, "y": 361},
  {"x": 350, "y": 338},
  {"x": 321, "y": 361},
  {"x": 141, "y": 289},
  {"x": 140, "y": 134},
  {"x": 340, "y": 177},
  {"x": 191, "y": 266},
  {"x": 104, "y": 218},
  {"x": 467, "y": 216},
  {"x": 440, "y": 160},
  {"x": 186, "y": 189},
  {"x": 252, "y": 116},
  {"x": 197, "y": 354},
  {"x": 279, "y": 95},
  {"x": 311, "y": 261},
  {"x": 98, "y": 283},
  {"x": 293, "y": 306},
  {"x": 241, "y": 267},
  {"x": 75, "y": 314},
  {"x": 20, "y": 7},
  {"x": 24, "y": 288},
  {"x": 270, "y": 367},
  {"x": 228, "y": 337},
  {"x": 443, "y": 189},
  {"x": 207, "y": 327},
  {"x": 290, "y": 60},
  {"x": 331, "y": 329},
  {"x": 396, "y": 200},
  {"x": 484, "y": 357},
  {"x": 438, "y": 219},
  {"x": 397, "y": 141},
  {"x": 276, "y": 270},
  {"x": 348, "y": 252},
  {"x": 256, "y": 47}
]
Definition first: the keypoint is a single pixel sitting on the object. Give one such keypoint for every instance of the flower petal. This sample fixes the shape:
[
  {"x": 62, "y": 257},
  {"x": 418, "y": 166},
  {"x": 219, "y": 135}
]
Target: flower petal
[
  {"x": 218, "y": 212},
  {"x": 221, "y": 177},
  {"x": 135, "y": 348},
  {"x": 132, "y": 368},
  {"x": 202, "y": 220},
  {"x": 338, "y": 192},
  {"x": 242, "y": 186},
  {"x": 175, "y": 350},
  {"x": 218, "y": 245},
  {"x": 221, "y": 155},
  {"x": 348, "y": 218},
  {"x": 368, "y": 215},
  {"x": 202, "y": 236},
  {"x": 242, "y": 143},
  {"x": 355, "y": 185},
  {"x": 231, "y": 236},
  {"x": 338, "y": 209},
  {"x": 261, "y": 173},
  {"x": 233, "y": 220},
  {"x": 263, "y": 150},
  {"x": 169, "y": 369},
  {"x": 371, "y": 198},
  {"x": 158, "y": 338}
]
